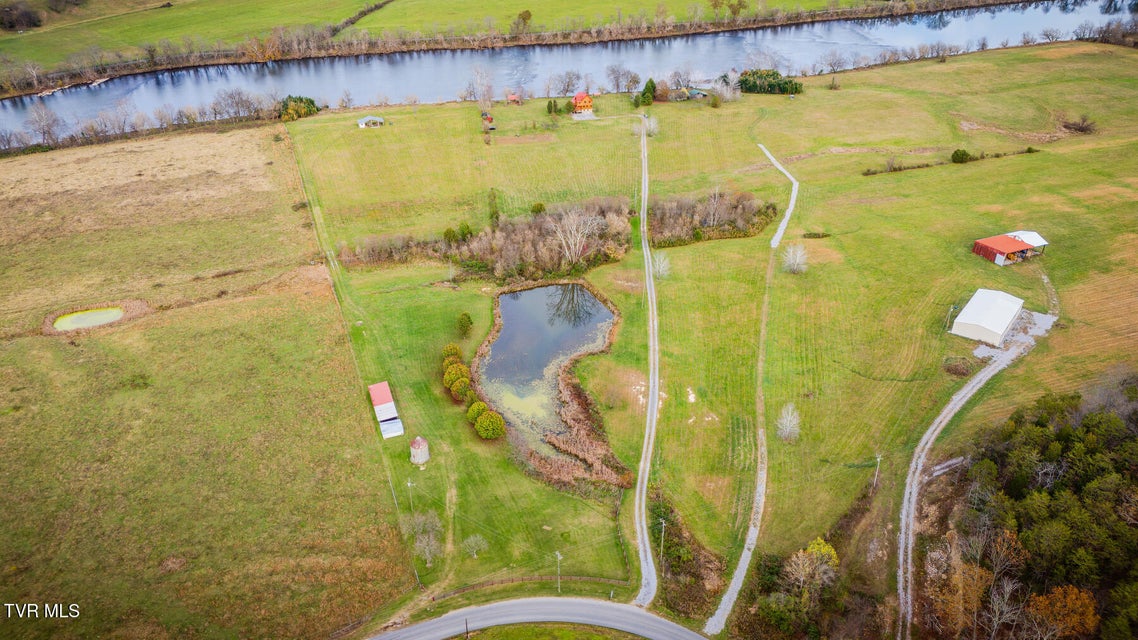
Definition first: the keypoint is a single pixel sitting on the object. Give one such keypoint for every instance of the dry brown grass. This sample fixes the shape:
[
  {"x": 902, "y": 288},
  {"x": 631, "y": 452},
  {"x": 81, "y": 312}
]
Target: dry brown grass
[{"x": 154, "y": 219}]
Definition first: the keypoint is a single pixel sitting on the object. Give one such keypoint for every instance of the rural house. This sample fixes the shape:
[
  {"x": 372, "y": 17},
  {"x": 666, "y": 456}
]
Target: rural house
[{"x": 582, "y": 102}]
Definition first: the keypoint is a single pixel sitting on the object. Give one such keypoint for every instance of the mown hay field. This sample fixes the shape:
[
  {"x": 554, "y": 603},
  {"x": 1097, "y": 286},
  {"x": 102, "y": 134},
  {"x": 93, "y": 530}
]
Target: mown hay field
[{"x": 209, "y": 469}]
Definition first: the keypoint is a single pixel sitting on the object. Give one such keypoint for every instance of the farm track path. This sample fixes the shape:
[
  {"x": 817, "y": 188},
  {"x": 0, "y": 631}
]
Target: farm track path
[
  {"x": 1000, "y": 359},
  {"x": 718, "y": 620},
  {"x": 648, "y": 582}
]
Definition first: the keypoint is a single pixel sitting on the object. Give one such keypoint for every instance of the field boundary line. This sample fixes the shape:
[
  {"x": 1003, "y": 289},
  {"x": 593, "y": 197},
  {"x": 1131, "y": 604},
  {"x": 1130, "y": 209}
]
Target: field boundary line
[{"x": 718, "y": 620}]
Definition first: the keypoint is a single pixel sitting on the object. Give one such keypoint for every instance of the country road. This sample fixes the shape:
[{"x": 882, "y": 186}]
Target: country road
[
  {"x": 598, "y": 613},
  {"x": 718, "y": 620},
  {"x": 648, "y": 583},
  {"x": 1018, "y": 344}
]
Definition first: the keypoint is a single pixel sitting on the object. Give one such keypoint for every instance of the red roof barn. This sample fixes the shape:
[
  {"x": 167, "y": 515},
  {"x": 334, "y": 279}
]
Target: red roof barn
[
  {"x": 389, "y": 423},
  {"x": 1009, "y": 247}
]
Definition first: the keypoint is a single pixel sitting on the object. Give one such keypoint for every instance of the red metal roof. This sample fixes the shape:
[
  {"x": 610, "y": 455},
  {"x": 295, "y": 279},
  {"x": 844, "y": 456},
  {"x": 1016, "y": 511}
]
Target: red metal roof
[
  {"x": 419, "y": 442},
  {"x": 1004, "y": 244},
  {"x": 581, "y": 95},
  {"x": 380, "y": 394}
]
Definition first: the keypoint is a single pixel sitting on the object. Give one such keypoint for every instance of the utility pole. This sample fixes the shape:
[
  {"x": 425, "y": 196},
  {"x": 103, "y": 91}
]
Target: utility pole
[
  {"x": 662, "y": 523},
  {"x": 410, "y": 496},
  {"x": 558, "y": 554},
  {"x": 876, "y": 471}
]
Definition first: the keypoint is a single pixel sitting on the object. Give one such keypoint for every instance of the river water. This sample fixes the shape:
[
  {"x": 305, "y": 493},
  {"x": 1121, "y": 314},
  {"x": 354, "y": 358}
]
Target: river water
[{"x": 439, "y": 76}]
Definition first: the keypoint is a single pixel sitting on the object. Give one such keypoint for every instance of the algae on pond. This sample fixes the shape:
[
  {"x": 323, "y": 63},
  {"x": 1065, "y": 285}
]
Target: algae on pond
[
  {"x": 541, "y": 330},
  {"x": 88, "y": 318}
]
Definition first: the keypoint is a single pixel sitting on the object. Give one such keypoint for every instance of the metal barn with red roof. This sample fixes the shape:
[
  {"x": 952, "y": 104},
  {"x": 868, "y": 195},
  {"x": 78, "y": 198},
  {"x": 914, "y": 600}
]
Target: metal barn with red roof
[
  {"x": 1009, "y": 248},
  {"x": 381, "y": 399}
]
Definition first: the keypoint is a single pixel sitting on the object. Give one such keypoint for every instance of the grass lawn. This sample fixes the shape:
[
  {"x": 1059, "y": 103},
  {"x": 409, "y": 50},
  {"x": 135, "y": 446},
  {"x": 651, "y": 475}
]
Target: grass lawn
[
  {"x": 430, "y": 168},
  {"x": 208, "y": 470},
  {"x": 551, "y": 632},
  {"x": 126, "y": 26}
]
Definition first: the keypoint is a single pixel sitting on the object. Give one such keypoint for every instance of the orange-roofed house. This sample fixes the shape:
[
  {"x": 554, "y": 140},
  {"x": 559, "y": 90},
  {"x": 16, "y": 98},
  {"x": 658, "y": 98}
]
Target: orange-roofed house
[{"x": 582, "y": 102}]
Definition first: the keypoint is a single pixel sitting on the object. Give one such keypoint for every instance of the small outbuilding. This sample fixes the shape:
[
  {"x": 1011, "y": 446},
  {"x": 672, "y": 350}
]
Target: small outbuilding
[
  {"x": 370, "y": 121},
  {"x": 582, "y": 102},
  {"x": 513, "y": 98},
  {"x": 390, "y": 425},
  {"x": 988, "y": 316},
  {"x": 1010, "y": 248},
  {"x": 420, "y": 452}
]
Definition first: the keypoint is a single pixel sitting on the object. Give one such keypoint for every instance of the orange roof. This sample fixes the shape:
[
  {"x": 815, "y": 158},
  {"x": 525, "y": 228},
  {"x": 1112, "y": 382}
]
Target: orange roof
[
  {"x": 380, "y": 394},
  {"x": 581, "y": 95},
  {"x": 1004, "y": 244}
]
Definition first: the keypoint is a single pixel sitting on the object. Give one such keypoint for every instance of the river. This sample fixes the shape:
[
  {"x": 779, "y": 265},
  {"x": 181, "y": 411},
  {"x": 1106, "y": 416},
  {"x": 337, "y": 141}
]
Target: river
[{"x": 439, "y": 76}]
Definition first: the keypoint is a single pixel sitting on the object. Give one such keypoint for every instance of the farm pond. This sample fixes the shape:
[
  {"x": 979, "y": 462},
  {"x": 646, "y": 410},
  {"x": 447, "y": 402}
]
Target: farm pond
[{"x": 542, "y": 329}]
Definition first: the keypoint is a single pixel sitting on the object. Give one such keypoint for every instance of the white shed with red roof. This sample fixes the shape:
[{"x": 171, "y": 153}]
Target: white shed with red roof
[{"x": 389, "y": 423}]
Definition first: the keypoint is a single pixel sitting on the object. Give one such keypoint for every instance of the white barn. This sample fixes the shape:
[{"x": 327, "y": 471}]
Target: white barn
[
  {"x": 389, "y": 423},
  {"x": 988, "y": 316}
]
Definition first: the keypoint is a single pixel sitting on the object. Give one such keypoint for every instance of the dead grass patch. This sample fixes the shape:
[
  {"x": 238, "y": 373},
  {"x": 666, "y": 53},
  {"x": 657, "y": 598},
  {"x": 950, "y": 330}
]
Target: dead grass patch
[
  {"x": 132, "y": 310},
  {"x": 530, "y": 139},
  {"x": 1106, "y": 194}
]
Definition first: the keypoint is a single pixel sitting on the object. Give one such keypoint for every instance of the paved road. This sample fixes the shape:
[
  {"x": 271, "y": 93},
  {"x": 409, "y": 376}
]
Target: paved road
[
  {"x": 648, "y": 582},
  {"x": 1018, "y": 345},
  {"x": 718, "y": 620},
  {"x": 623, "y": 617}
]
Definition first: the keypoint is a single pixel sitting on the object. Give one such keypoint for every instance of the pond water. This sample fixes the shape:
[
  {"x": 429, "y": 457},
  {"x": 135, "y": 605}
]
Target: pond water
[
  {"x": 542, "y": 329},
  {"x": 87, "y": 319},
  {"x": 437, "y": 76}
]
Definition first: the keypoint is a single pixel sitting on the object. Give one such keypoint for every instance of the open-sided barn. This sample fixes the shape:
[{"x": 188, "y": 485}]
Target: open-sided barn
[{"x": 1009, "y": 248}]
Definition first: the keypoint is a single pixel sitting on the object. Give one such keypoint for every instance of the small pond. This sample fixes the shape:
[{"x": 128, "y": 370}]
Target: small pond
[
  {"x": 542, "y": 329},
  {"x": 87, "y": 319}
]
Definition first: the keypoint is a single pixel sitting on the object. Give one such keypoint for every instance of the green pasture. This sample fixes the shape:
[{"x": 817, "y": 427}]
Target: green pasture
[
  {"x": 126, "y": 26},
  {"x": 468, "y": 16},
  {"x": 429, "y": 168}
]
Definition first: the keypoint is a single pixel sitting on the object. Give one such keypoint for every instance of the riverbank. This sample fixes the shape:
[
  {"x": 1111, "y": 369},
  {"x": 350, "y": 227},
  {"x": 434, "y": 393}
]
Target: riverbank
[{"x": 308, "y": 43}]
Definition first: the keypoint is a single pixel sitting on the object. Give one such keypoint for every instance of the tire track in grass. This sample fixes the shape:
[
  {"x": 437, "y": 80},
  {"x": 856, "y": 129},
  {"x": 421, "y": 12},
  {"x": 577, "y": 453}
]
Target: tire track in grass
[{"x": 718, "y": 620}]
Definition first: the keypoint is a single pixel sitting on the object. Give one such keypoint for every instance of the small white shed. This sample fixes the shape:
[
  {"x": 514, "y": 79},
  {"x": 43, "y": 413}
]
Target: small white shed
[
  {"x": 988, "y": 316},
  {"x": 370, "y": 121}
]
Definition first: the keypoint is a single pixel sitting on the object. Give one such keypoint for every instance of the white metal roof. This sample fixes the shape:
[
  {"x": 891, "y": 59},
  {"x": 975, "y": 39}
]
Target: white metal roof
[
  {"x": 987, "y": 316},
  {"x": 1030, "y": 237}
]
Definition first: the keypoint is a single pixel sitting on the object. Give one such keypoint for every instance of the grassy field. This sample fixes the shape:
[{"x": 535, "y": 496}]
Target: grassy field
[
  {"x": 126, "y": 26},
  {"x": 468, "y": 16},
  {"x": 400, "y": 321},
  {"x": 550, "y": 632},
  {"x": 858, "y": 342},
  {"x": 430, "y": 168},
  {"x": 208, "y": 470}
]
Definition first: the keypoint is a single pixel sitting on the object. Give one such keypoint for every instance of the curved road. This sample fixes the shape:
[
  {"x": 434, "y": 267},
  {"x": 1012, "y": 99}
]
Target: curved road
[
  {"x": 599, "y": 613},
  {"x": 640, "y": 505},
  {"x": 1019, "y": 344}
]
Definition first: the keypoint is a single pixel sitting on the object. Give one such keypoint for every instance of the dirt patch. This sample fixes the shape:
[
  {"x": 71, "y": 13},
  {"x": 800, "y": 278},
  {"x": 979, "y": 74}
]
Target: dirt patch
[
  {"x": 132, "y": 310},
  {"x": 1057, "y": 133},
  {"x": 307, "y": 280},
  {"x": 171, "y": 564},
  {"x": 822, "y": 253},
  {"x": 1107, "y": 194},
  {"x": 628, "y": 286},
  {"x": 533, "y": 138},
  {"x": 129, "y": 184}
]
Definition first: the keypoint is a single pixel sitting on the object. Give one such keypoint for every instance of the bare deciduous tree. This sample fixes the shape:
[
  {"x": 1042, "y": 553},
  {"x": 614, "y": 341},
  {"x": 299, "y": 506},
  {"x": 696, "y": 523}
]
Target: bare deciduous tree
[
  {"x": 427, "y": 547},
  {"x": 1051, "y": 34},
  {"x": 44, "y": 123},
  {"x": 794, "y": 259},
  {"x": 474, "y": 545},
  {"x": 574, "y": 229},
  {"x": 483, "y": 88},
  {"x": 1004, "y": 606},
  {"x": 661, "y": 265},
  {"x": 833, "y": 60},
  {"x": 789, "y": 423}
]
